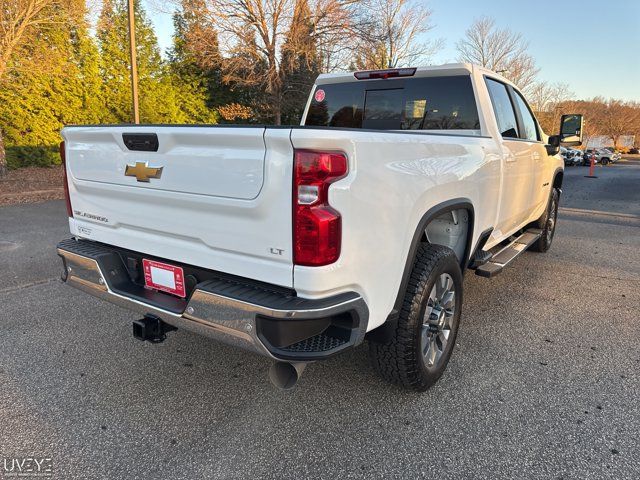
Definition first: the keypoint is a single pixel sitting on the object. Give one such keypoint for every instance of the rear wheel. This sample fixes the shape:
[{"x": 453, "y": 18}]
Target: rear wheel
[
  {"x": 421, "y": 345},
  {"x": 547, "y": 223},
  {"x": 605, "y": 161}
]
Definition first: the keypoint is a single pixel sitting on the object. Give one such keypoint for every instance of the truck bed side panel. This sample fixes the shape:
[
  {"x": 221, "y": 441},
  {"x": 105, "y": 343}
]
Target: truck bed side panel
[{"x": 394, "y": 179}]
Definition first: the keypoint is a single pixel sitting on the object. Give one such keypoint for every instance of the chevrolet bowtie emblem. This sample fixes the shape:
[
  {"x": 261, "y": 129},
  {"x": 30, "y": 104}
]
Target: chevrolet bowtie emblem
[{"x": 142, "y": 171}]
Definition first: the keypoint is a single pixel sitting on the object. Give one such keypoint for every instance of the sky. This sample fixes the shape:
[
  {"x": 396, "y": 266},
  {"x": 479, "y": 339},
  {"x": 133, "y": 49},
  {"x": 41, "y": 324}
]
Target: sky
[{"x": 592, "y": 45}]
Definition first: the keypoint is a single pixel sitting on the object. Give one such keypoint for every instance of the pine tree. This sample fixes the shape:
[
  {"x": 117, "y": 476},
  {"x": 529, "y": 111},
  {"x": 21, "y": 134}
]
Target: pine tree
[
  {"x": 196, "y": 60},
  {"x": 195, "y": 57},
  {"x": 163, "y": 96},
  {"x": 112, "y": 36},
  {"x": 300, "y": 64},
  {"x": 114, "y": 63}
]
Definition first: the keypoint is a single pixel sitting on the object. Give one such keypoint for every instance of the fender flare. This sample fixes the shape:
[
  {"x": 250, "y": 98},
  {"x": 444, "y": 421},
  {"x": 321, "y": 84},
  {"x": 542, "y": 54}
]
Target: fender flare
[
  {"x": 433, "y": 212},
  {"x": 559, "y": 171},
  {"x": 384, "y": 332}
]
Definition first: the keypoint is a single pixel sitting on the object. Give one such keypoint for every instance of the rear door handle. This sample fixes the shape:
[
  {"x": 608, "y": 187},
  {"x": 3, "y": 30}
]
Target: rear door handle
[{"x": 509, "y": 157}]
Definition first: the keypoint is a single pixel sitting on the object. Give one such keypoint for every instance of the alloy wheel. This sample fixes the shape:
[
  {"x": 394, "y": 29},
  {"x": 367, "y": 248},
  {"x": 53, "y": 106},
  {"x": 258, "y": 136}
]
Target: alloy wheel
[
  {"x": 437, "y": 320},
  {"x": 551, "y": 220}
]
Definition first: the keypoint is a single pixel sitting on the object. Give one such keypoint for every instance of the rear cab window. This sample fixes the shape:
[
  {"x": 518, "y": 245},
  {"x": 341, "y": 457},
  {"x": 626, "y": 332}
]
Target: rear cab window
[{"x": 417, "y": 103}]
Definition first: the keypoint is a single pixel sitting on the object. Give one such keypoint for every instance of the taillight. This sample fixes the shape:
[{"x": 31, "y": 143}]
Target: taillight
[
  {"x": 63, "y": 156},
  {"x": 317, "y": 227},
  {"x": 384, "y": 74}
]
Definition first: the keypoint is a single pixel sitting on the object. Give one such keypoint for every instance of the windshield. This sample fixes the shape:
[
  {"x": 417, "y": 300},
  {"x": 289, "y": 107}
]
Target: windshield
[{"x": 432, "y": 103}]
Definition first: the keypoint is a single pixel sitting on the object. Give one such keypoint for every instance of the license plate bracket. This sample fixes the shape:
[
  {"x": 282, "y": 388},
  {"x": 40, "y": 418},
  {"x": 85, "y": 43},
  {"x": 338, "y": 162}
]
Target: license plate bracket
[{"x": 164, "y": 277}]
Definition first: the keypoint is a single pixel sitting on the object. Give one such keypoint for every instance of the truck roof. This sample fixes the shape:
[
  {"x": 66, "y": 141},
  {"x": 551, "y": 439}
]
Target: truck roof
[{"x": 424, "y": 71}]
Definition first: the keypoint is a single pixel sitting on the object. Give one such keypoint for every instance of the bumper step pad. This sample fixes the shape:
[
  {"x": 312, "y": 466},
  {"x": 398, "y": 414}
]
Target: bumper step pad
[{"x": 318, "y": 343}]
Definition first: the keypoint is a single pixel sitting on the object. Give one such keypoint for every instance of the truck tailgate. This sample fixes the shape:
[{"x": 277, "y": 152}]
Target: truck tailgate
[{"x": 222, "y": 200}]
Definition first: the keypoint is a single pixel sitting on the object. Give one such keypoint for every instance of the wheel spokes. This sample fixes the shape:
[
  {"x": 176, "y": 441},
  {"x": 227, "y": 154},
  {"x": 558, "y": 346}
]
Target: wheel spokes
[
  {"x": 436, "y": 349},
  {"x": 448, "y": 300},
  {"x": 425, "y": 341},
  {"x": 443, "y": 336},
  {"x": 443, "y": 286},
  {"x": 438, "y": 317},
  {"x": 433, "y": 351}
]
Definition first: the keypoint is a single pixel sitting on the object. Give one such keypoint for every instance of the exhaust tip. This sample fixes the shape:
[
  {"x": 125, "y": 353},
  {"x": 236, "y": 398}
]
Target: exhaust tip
[{"x": 285, "y": 375}]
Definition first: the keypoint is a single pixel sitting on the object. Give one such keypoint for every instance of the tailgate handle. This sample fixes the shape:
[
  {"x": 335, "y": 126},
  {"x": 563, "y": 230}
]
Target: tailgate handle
[{"x": 141, "y": 142}]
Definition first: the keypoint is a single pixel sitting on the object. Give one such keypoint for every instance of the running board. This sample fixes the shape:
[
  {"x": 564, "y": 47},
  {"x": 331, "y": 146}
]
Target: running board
[{"x": 505, "y": 256}]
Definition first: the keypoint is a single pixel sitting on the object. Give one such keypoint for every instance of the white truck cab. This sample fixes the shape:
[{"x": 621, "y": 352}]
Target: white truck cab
[{"x": 300, "y": 242}]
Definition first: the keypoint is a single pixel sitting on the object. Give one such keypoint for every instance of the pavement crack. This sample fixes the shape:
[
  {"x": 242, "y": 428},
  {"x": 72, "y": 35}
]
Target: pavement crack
[{"x": 44, "y": 281}]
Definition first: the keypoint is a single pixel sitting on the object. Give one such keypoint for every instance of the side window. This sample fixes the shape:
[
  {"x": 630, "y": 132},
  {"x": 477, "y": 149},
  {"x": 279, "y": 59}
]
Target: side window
[
  {"x": 529, "y": 123},
  {"x": 503, "y": 109}
]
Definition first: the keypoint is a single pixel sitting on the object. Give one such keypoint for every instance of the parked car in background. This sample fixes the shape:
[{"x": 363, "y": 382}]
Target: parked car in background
[
  {"x": 568, "y": 156},
  {"x": 607, "y": 155},
  {"x": 576, "y": 156},
  {"x": 571, "y": 156}
]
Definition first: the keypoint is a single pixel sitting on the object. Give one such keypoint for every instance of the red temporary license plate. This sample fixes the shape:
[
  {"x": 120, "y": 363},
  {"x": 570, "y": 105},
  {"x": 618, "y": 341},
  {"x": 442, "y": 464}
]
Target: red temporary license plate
[{"x": 164, "y": 277}]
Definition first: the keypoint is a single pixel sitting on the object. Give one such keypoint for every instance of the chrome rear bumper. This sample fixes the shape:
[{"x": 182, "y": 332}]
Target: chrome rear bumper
[{"x": 234, "y": 318}]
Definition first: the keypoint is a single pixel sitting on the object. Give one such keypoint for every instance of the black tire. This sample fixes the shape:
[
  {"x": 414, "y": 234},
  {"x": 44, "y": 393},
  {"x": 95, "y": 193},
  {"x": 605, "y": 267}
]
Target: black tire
[
  {"x": 604, "y": 161},
  {"x": 403, "y": 360},
  {"x": 547, "y": 223}
]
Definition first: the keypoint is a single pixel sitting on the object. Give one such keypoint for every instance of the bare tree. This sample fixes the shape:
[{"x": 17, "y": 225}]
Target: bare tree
[
  {"x": 547, "y": 101},
  {"x": 17, "y": 18},
  {"x": 393, "y": 34},
  {"x": 251, "y": 34},
  {"x": 20, "y": 22},
  {"x": 617, "y": 119},
  {"x": 591, "y": 110},
  {"x": 500, "y": 50},
  {"x": 336, "y": 25},
  {"x": 609, "y": 118}
]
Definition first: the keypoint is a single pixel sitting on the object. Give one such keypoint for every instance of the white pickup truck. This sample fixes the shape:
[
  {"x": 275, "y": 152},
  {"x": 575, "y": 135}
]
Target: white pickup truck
[{"x": 300, "y": 242}]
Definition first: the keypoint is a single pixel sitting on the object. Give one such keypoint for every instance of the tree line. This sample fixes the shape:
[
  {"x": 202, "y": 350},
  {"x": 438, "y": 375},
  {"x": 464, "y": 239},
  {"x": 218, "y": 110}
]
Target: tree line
[
  {"x": 608, "y": 118},
  {"x": 231, "y": 61}
]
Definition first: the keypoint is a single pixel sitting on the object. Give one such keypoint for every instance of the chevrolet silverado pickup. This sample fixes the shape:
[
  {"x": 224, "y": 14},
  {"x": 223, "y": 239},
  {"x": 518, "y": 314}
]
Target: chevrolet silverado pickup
[{"x": 300, "y": 242}]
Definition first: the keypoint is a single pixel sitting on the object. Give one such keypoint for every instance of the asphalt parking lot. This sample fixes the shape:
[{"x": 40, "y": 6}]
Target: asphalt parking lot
[{"x": 544, "y": 381}]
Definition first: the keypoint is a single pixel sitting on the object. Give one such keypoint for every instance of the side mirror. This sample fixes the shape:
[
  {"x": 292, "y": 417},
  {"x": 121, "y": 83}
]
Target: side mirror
[
  {"x": 571, "y": 129},
  {"x": 553, "y": 147}
]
